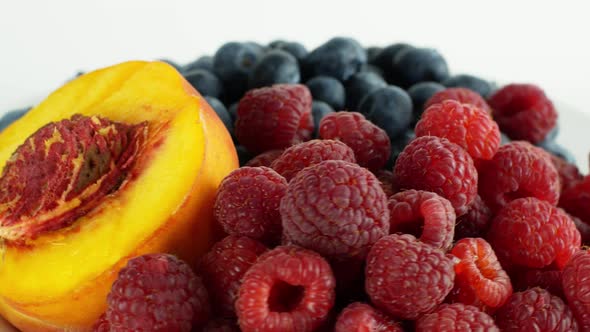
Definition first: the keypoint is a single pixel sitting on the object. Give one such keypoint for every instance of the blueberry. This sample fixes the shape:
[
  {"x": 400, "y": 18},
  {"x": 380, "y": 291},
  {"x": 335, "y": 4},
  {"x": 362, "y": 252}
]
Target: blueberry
[
  {"x": 389, "y": 108},
  {"x": 369, "y": 68},
  {"x": 233, "y": 111},
  {"x": 221, "y": 112},
  {"x": 11, "y": 116},
  {"x": 384, "y": 59},
  {"x": 243, "y": 155},
  {"x": 328, "y": 90},
  {"x": 414, "y": 65},
  {"x": 339, "y": 57},
  {"x": 398, "y": 144},
  {"x": 420, "y": 93},
  {"x": 481, "y": 86},
  {"x": 204, "y": 62},
  {"x": 233, "y": 63},
  {"x": 504, "y": 139},
  {"x": 372, "y": 53},
  {"x": 294, "y": 48},
  {"x": 319, "y": 109},
  {"x": 275, "y": 67},
  {"x": 559, "y": 151},
  {"x": 360, "y": 85},
  {"x": 205, "y": 82}
]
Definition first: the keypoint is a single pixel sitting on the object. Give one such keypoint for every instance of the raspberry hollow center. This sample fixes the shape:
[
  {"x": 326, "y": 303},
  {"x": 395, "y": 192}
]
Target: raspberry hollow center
[
  {"x": 284, "y": 297},
  {"x": 62, "y": 171}
]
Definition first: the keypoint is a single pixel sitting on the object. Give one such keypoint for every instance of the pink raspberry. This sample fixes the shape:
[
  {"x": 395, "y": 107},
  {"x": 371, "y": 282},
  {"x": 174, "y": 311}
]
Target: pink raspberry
[
  {"x": 461, "y": 95},
  {"x": 576, "y": 200},
  {"x": 569, "y": 175},
  {"x": 456, "y": 317},
  {"x": 363, "y": 317},
  {"x": 547, "y": 279},
  {"x": 576, "y": 282},
  {"x": 475, "y": 222},
  {"x": 385, "y": 177}
]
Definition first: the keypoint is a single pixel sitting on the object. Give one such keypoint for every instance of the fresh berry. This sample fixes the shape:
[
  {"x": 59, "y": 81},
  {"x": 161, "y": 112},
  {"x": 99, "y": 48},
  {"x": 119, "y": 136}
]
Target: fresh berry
[
  {"x": 156, "y": 292},
  {"x": 10, "y": 117},
  {"x": 223, "y": 267},
  {"x": 559, "y": 151},
  {"x": 415, "y": 65},
  {"x": 576, "y": 200},
  {"x": 327, "y": 89},
  {"x": 205, "y": 82},
  {"x": 482, "y": 87},
  {"x": 524, "y": 112},
  {"x": 221, "y": 112},
  {"x": 102, "y": 324},
  {"x": 335, "y": 208},
  {"x": 339, "y": 57},
  {"x": 435, "y": 164},
  {"x": 274, "y": 117},
  {"x": 309, "y": 153},
  {"x": 265, "y": 158},
  {"x": 407, "y": 278},
  {"x": 466, "y": 125},
  {"x": 456, "y": 317},
  {"x": 425, "y": 215},
  {"x": 372, "y": 52},
  {"x": 385, "y": 177},
  {"x": 584, "y": 230},
  {"x": 480, "y": 280},
  {"x": 576, "y": 280},
  {"x": 205, "y": 62},
  {"x": 569, "y": 175},
  {"x": 370, "y": 143},
  {"x": 398, "y": 144},
  {"x": 359, "y": 316},
  {"x": 275, "y": 67},
  {"x": 232, "y": 63},
  {"x": 385, "y": 58},
  {"x": 247, "y": 203},
  {"x": 535, "y": 310},
  {"x": 517, "y": 170},
  {"x": 547, "y": 279},
  {"x": 462, "y": 95},
  {"x": 369, "y": 68},
  {"x": 233, "y": 111},
  {"x": 532, "y": 233},
  {"x": 420, "y": 93},
  {"x": 390, "y": 108},
  {"x": 288, "y": 289},
  {"x": 221, "y": 325},
  {"x": 294, "y": 48},
  {"x": 475, "y": 222},
  {"x": 243, "y": 154},
  {"x": 360, "y": 85},
  {"x": 319, "y": 110}
]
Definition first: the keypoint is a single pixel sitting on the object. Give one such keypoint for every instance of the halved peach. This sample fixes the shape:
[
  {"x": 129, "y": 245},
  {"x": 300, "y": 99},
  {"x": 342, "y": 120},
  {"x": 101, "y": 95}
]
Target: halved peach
[{"x": 56, "y": 277}]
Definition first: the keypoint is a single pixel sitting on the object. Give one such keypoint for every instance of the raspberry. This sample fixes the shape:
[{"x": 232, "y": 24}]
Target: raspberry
[
  {"x": 303, "y": 155},
  {"x": 221, "y": 325},
  {"x": 363, "y": 317},
  {"x": 549, "y": 280},
  {"x": 435, "y": 164},
  {"x": 576, "y": 200},
  {"x": 223, "y": 267},
  {"x": 370, "y": 144},
  {"x": 535, "y": 310},
  {"x": 523, "y": 112},
  {"x": 102, "y": 324},
  {"x": 247, "y": 203},
  {"x": 479, "y": 279},
  {"x": 462, "y": 95},
  {"x": 424, "y": 214},
  {"x": 569, "y": 175},
  {"x": 407, "y": 278},
  {"x": 287, "y": 289},
  {"x": 576, "y": 280},
  {"x": 265, "y": 158},
  {"x": 532, "y": 233},
  {"x": 156, "y": 292},
  {"x": 385, "y": 177},
  {"x": 583, "y": 228},
  {"x": 466, "y": 125},
  {"x": 456, "y": 317},
  {"x": 335, "y": 208},
  {"x": 475, "y": 222},
  {"x": 274, "y": 117},
  {"x": 518, "y": 169}
]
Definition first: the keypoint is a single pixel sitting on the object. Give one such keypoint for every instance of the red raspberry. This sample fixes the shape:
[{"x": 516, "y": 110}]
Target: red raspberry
[
  {"x": 466, "y": 125},
  {"x": 576, "y": 282},
  {"x": 385, "y": 177},
  {"x": 475, "y": 222},
  {"x": 156, "y": 292},
  {"x": 569, "y": 175},
  {"x": 287, "y": 289},
  {"x": 363, "y": 317},
  {"x": 456, "y": 317},
  {"x": 102, "y": 324},
  {"x": 462, "y": 95},
  {"x": 549, "y": 280},
  {"x": 424, "y": 214},
  {"x": 583, "y": 228},
  {"x": 532, "y": 233},
  {"x": 306, "y": 154},
  {"x": 274, "y": 117},
  {"x": 576, "y": 200},
  {"x": 535, "y": 310},
  {"x": 221, "y": 325},
  {"x": 479, "y": 279},
  {"x": 518, "y": 169},
  {"x": 370, "y": 144},
  {"x": 435, "y": 164},
  {"x": 247, "y": 203},
  {"x": 523, "y": 112},
  {"x": 265, "y": 158},
  {"x": 335, "y": 208},
  {"x": 223, "y": 267},
  {"x": 407, "y": 278}
]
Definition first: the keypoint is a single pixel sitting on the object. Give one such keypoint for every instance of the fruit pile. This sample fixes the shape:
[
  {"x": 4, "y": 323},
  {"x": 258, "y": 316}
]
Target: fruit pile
[{"x": 383, "y": 194}]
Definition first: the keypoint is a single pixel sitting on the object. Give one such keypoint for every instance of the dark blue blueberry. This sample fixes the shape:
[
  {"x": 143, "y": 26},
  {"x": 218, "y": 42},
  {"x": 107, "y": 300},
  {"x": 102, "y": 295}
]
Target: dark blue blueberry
[
  {"x": 360, "y": 85},
  {"x": 233, "y": 111},
  {"x": 398, "y": 144},
  {"x": 504, "y": 139},
  {"x": 222, "y": 112},
  {"x": 481, "y": 86},
  {"x": 243, "y": 155},
  {"x": 328, "y": 90},
  {"x": 372, "y": 53},
  {"x": 420, "y": 93},
  {"x": 204, "y": 62},
  {"x": 172, "y": 63},
  {"x": 10, "y": 117},
  {"x": 319, "y": 109},
  {"x": 233, "y": 63},
  {"x": 384, "y": 60},
  {"x": 275, "y": 67},
  {"x": 259, "y": 47},
  {"x": 414, "y": 65},
  {"x": 369, "y": 68},
  {"x": 389, "y": 108},
  {"x": 339, "y": 57},
  {"x": 294, "y": 48},
  {"x": 559, "y": 151},
  {"x": 205, "y": 82}
]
